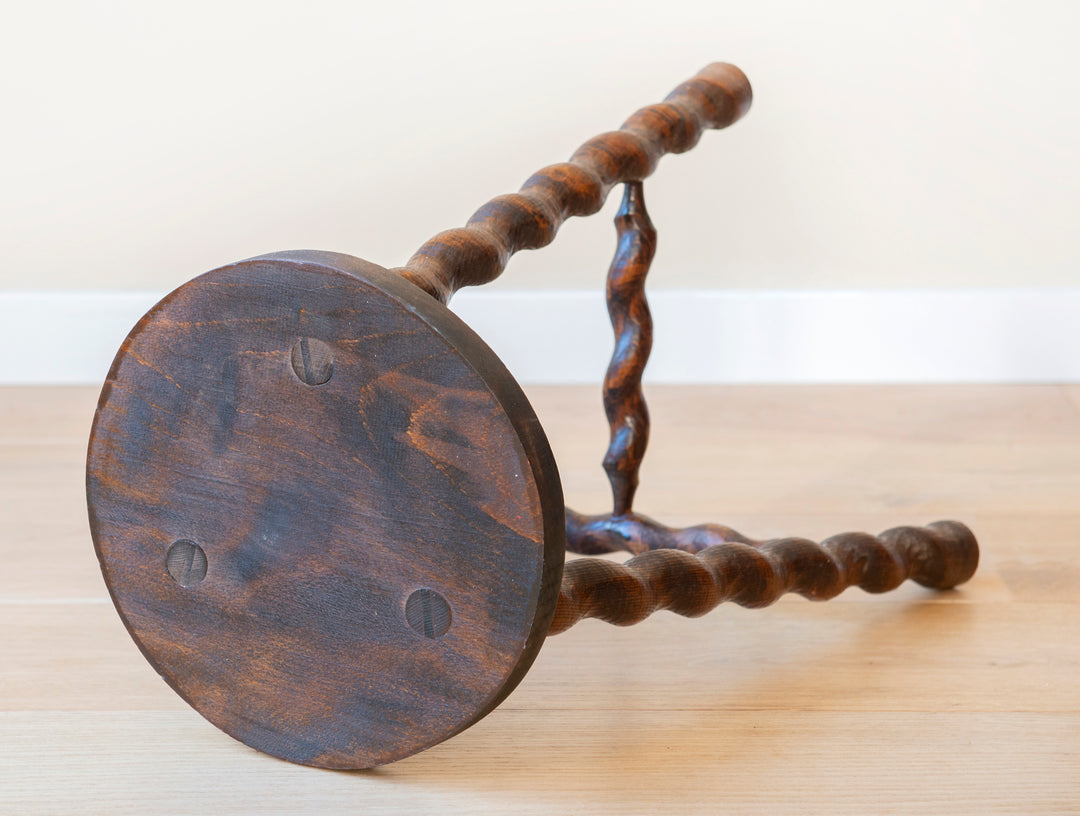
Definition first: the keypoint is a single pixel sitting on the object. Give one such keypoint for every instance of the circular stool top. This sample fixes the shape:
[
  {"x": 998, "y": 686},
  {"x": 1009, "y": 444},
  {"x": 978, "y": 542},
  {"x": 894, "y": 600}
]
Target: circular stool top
[{"x": 324, "y": 509}]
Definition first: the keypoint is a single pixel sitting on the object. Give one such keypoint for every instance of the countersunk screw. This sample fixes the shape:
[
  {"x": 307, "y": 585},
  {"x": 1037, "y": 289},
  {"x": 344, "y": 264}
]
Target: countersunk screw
[
  {"x": 186, "y": 563},
  {"x": 312, "y": 360}
]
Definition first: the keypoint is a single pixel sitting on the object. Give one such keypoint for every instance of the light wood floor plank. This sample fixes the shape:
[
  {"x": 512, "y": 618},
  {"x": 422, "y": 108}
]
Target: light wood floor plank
[
  {"x": 913, "y": 655},
  {"x": 595, "y": 762},
  {"x": 910, "y": 702}
]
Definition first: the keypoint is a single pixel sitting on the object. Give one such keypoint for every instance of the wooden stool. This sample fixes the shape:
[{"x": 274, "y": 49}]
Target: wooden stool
[{"x": 330, "y": 519}]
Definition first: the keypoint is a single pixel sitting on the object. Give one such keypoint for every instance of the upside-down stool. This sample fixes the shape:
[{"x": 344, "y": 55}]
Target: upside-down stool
[{"x": 330, "y": 519}]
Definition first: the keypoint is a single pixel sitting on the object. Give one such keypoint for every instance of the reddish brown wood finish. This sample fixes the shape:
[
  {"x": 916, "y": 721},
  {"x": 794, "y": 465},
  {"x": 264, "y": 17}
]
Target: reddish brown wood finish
[
  {"x": 324, "y": 510},
  {"x": 634, "y": 533},
  {"x": 624, "y": 402},
  {"x": 478, "y": 252},
  {"x": 728, "y": 566},
  {"x": 330, "y": 519},
  {"x": 756, "y": 574}
]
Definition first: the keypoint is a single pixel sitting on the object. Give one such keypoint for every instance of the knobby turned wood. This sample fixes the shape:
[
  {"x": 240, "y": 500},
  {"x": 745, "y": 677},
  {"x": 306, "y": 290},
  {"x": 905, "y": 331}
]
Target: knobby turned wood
[
  {"x": 624, "y": 401},
  {"x": 755, "y": 574},
  {"x": 330, "y": 519},
  {"x": 690, "y": 571},
  {"x": 478, "y": 252}
]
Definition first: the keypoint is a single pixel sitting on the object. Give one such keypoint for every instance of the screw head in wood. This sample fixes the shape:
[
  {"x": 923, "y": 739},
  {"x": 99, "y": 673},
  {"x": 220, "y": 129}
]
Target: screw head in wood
[
  {"x": 428, "y": 613},
  {"x": 312, "y": 360},
  {"x": 186, "y": 563}
]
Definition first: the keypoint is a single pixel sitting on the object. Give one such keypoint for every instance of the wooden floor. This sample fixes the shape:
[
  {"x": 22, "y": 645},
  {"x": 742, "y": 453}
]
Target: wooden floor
[{"x": 912, "y": 702}]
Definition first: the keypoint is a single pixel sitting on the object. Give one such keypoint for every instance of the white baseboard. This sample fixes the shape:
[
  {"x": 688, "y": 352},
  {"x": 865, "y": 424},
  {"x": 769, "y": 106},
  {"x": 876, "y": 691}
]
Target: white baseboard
[{"x": 707, "y": 336}]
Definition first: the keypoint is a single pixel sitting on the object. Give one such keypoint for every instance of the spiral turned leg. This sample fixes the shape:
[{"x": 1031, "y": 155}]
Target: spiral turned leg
[
  {"x": 624, "y": 401},
  {"x": 692, "y": 570},
  {"x": 755, "y": 574}
]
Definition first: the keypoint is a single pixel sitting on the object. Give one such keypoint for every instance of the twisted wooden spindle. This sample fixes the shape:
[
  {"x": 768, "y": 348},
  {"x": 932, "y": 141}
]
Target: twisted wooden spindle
[
  {"x": 691, "y": 570},
  {"x": 635, "y": 533},
  {"x": 755, "y": 574},
  {"x": 478, "y": 252},
  {"x": 624, "y": 402}
]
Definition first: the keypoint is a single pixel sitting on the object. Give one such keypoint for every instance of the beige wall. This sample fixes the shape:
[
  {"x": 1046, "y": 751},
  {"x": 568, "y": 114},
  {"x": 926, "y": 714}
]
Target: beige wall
[{"x": 890, "y": 145}]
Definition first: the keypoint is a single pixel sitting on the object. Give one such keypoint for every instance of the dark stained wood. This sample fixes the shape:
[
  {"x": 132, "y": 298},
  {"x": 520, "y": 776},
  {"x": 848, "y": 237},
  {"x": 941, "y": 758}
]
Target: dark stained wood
[
  {"x": 339, "y": 573},
  {"x": 624, "y": 402},
  {"x": 728, "y": 565},
  {"x": 754, "y": 574},
  {"x": 330, "y": 519},
  {"x": 477, "y": 253}
]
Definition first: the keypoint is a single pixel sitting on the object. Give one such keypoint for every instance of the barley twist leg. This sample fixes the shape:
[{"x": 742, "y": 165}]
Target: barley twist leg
[
  {"x": 692, "y": 570},
  {"x": 941, "y": 556}
]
